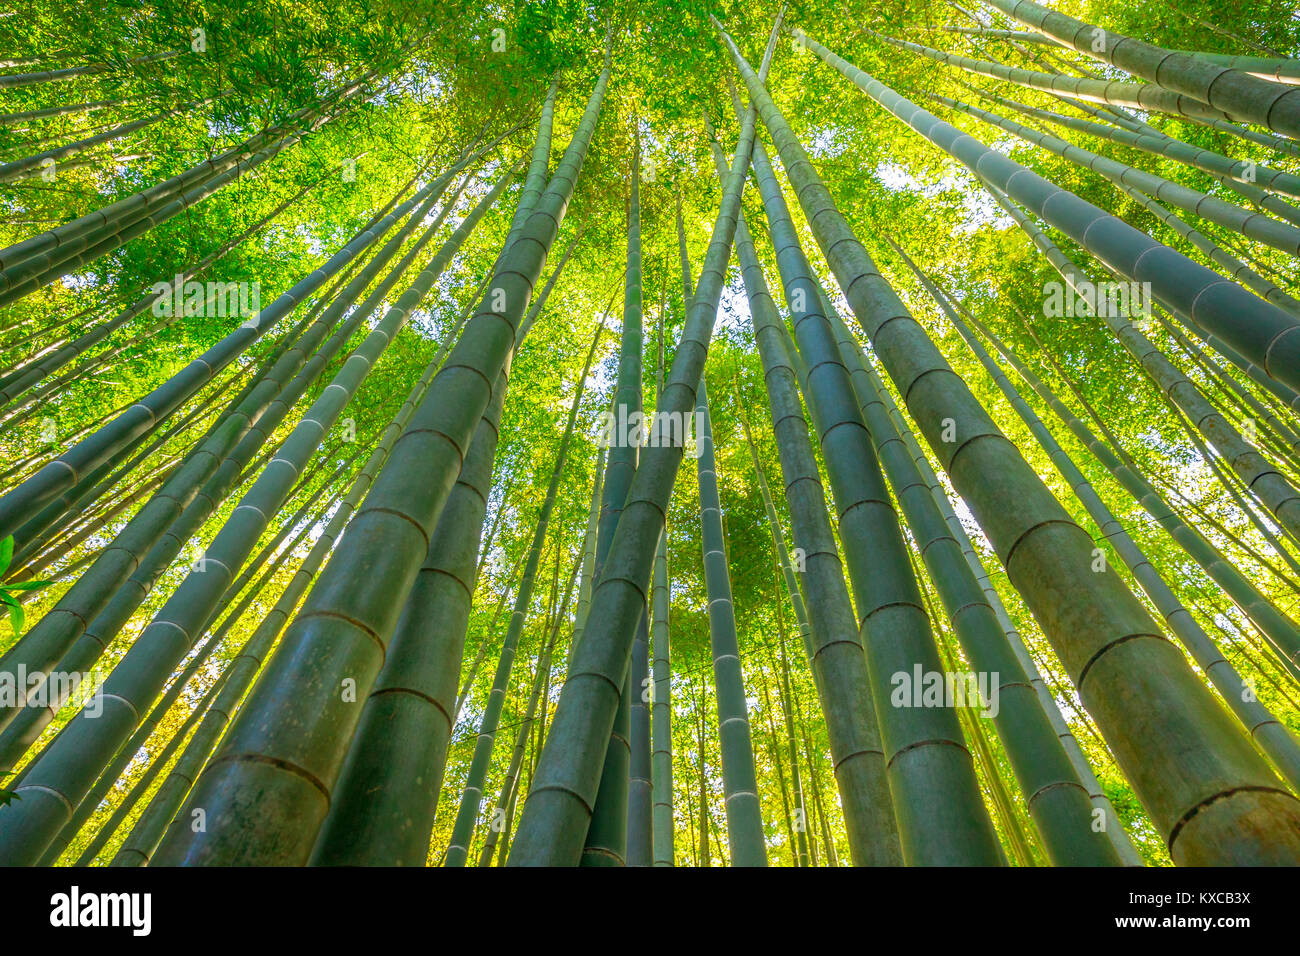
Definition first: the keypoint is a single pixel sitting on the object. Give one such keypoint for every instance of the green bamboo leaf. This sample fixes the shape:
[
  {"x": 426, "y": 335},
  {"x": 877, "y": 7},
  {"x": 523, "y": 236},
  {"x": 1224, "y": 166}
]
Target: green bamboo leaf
[{"x": 16, "y": 616}]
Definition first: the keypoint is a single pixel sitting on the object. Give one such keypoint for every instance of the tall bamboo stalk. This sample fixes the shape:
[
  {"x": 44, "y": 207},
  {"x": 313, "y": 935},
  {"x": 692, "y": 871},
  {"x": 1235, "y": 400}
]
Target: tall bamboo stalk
[
  {"x": 607, "y": 836},
  {"x": 739, "y": 782},
  {"x": 556, "y": 816},
  {"x": 1247, "y": 97},
  {"x": 827, "y": 624},
  {"x": 510, "y": 783},
  {"x": 1049, "y": 558},
  {"x": 249, "y": 790},
  {"x": 661, "y": 757},
  {"x": 921, "y": 745},
  {"x": 1262, "y": 333},
  {"x": 149, "y": 828},
  {"x": 471, "y": 800}
]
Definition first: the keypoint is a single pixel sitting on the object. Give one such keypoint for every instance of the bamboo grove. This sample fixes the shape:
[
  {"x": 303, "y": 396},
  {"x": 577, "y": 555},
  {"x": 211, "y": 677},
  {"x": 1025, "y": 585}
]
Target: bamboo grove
[{"x": 650, "y": 434}]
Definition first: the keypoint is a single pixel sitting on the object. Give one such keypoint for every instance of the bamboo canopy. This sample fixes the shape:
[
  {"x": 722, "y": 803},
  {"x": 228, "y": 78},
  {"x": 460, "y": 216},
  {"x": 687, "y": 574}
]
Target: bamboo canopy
[{"x": 651, "y": 434}]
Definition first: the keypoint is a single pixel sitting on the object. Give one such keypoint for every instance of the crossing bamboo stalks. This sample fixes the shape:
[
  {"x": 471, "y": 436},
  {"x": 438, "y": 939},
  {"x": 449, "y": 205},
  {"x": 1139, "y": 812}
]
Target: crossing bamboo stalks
[
  {"x": 161, "y": 529},
  {"x": 144, "y": 548},
  {"x": 1113, "y": 113},
  {"x": 471, "y": 799},
  {"x": 95, "y": 125},
  {"x": 83, "y": 656},
  {"x": 1238, "y": 491},
  {"x": 1133, "y": 681},
  {"x": 149, "y": 829},
  {"x": 1269, "y": 735},
  {"x": 794, "y": 823},
  {"x": 1289, "y": 398},
  {"x": 1262, "y": 333},
  {"x": 1268, "y": 231},
  {"x": 55, "y": 385},
  {"x": 1118, "y": 119},
  {"x": 138, "y": 678},
  {"x": 41, "y": 259},
  {"x": 41, "y": 270},
  {"x": 920, "y": 745},
  {"x": 90, "y": 803},
  {"x": 557, "y": 812},
  {"x": 800, "y": 825},
  {"x": 38, "y": 561},
  {"x": 1280, "y": 630},
  {"x": 1119, "y": 116},
  {"x": 1241, "y": 172},
  {"x": 63, "y": 254},
  {"x": 352, "y": 612},
  {"x": 827, "y": 625},
  {"x": 1286, "y": 439},
  {"x": 1266, "y": 68},
  {"x": 607, "y": 834},
  {"x": 13, "y": 385},
  {"x": 1269, "y": 485},
  {"x": 539, "y": 302},
  {"x": 498, "y": 517},
  {"x": 64, "y": 509},
  {"x": 784, "y": 563},
  {"x": 1273, "y": 105},
  {"x": 1140, "y": 96},
  {"x": 63, "y": 471},
  {"x": 299, "y": 347},
  {"x": 501, "y": 822},
  {"x": 51, "y": 336},
  {"x": 1223, "y": 170},
  {"x": 61, "y": 516},
  {"x": 133, "y": 205},
  {"x": 394, "y": 765}
]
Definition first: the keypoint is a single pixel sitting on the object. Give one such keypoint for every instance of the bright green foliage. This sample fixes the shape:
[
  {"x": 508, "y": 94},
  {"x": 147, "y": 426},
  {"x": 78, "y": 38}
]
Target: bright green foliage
[{"x": 288, "y": 514}]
